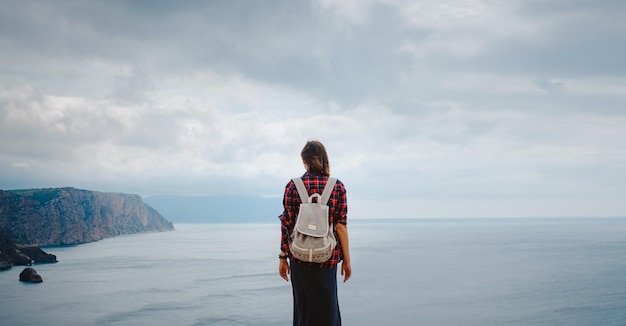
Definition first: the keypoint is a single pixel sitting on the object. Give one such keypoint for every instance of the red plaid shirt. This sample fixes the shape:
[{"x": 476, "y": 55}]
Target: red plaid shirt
[{"x": 337, "y": 211}]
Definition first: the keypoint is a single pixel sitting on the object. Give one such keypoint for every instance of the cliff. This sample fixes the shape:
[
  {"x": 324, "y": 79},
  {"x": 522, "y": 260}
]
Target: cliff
[{"x": 58, "y": 216}]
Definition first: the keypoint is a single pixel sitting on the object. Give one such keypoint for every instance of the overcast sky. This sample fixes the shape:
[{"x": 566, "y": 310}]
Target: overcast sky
[{"x": 427, "y": 108}]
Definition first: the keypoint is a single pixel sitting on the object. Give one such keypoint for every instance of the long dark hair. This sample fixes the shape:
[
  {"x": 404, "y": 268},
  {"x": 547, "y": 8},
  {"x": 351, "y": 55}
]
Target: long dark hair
[{"x": 315, "y": 158}]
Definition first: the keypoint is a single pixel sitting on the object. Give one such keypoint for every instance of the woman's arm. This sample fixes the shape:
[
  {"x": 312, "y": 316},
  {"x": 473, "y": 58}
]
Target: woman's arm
[
  {"x": 286, "y": 225},
  {"x": 342, "y": 234}
]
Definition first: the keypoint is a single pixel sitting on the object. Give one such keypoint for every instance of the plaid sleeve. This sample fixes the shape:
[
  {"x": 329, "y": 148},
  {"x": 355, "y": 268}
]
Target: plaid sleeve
[
  {"x": 340, "y": 204},
  {"x": 291, "y": 204}
]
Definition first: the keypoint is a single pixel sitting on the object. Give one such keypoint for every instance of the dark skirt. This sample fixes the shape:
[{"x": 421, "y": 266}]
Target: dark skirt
[{"x": 315, "y": 300}]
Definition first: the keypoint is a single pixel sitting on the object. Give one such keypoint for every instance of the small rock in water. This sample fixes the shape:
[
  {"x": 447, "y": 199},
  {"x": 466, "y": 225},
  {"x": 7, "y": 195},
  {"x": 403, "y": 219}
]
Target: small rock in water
[{"x": 30, "y": 275}]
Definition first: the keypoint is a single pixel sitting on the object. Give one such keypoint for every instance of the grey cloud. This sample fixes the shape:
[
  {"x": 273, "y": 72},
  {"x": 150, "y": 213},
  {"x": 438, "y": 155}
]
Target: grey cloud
[
  {"x": 22, "y": 126},
  {"x": 34, "y": 126},
  {"x": 486, "y": 107},
  {"x": 294, "y": 45},
  {"x": 567, "y": 7},
  {"x": 548, "y": 85},
  {"x": 131, "y": 89},
  {"x": 573, "y": 39}
]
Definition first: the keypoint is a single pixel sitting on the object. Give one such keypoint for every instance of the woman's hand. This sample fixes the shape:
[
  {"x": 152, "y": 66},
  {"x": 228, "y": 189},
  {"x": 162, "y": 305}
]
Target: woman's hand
[
  {"x": 283, "y": 269},
  {"x": 346, "y": 271}
]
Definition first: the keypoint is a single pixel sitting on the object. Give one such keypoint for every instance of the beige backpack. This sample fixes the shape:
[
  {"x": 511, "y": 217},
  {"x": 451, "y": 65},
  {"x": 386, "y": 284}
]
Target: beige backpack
[{"x": 313, "y": 239}]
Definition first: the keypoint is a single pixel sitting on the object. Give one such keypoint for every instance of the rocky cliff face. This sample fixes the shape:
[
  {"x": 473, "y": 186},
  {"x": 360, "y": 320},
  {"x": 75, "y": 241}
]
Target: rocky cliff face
[{"x": 57, "y": 216}]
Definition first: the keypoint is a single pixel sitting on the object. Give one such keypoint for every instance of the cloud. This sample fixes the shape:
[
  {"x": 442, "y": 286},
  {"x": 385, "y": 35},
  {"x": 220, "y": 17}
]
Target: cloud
[{"x": 442, "y": 103}]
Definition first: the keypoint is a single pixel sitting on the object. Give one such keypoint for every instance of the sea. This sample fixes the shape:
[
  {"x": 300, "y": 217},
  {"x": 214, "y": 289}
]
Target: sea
[{"x": 559, "y": 271}]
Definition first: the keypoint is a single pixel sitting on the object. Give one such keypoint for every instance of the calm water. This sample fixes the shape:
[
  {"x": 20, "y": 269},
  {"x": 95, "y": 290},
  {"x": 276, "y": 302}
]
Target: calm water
[{"x": 423, "y": 272}]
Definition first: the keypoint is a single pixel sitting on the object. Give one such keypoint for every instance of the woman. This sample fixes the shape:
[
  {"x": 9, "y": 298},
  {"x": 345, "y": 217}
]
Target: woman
[{"x": 315, "y": 284}]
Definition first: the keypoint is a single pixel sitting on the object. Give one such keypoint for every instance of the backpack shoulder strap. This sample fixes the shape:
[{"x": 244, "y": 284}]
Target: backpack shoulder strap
[
  {"x": 304, "y": 194},
  {"x": 328, "y": 190}
]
